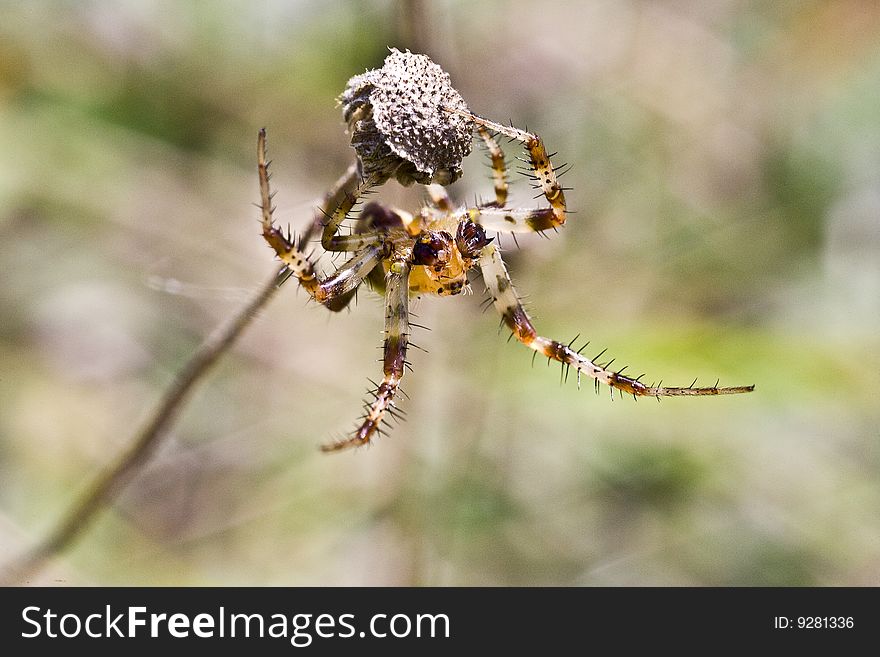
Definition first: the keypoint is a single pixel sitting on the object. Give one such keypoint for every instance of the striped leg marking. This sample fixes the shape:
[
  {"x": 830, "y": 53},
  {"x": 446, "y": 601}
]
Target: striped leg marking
[
  {"x": 495, "y": 217},
  {"x": 439, "y": 197},
  {"x": 394, "y": 361},
  {"x": 514, "y": 220},
  {"x": 333, "y": 242},
  {"x": 541, "y": 171},
  {"x": 333, "y": 199},
  {"x": 499, "y": 168},
  {"x": 343, "y": 280},
  {"x": 517, "y": 320}
]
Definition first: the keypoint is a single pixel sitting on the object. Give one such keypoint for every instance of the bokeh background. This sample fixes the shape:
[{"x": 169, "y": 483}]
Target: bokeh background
[{"x": 726, "y": 183}]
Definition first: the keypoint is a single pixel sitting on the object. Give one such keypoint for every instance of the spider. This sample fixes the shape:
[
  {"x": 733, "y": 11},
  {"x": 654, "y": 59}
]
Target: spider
[{"x": 407, "y": 122}]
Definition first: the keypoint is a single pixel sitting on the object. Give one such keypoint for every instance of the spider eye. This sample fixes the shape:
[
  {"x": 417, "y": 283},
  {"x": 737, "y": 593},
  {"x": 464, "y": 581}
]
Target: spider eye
[
  {"x": 470, "y": 238},
  {"x": 432, "y": 248}
]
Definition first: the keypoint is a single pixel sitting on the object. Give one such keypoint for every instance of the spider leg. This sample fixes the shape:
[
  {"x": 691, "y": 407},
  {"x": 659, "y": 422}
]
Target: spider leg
[
  {"x": 345, "y": 194},
  {"x": 333, "y": 242},
  {"x": 517, "y": 320},
  {"x": 343, "y": 280},
  {"x": 439, "y": 197},
  {"x": 514, "y": 220},
  {"x": 499, "y": 168},
  {"x": 333, "y": 199},
  {"x": 394, "y": 360},
  {"x": 520, "y": 220},
  {"x": 334, "y": 290}
]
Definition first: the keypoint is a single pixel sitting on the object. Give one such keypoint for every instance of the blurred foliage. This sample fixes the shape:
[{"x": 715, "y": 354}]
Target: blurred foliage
[{"x": 727, "y": 223}]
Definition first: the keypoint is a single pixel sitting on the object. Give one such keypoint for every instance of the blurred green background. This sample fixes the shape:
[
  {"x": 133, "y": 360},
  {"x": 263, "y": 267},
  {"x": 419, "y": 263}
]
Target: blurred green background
[{"x": 726, "y": 183}]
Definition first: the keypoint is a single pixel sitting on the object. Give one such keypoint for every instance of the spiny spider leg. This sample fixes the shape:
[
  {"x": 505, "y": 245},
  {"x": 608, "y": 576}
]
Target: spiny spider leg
[
  {"x": 394, "y": 349},
  {"x": 345, "y": 196},
  {"x": 519, "y": 220},
  {"x": 499, "y": 168},
  {"x": 513, "y": 220},
  {"x": 332, "y": 199},
  {"x": 343, "y": 280},
  {"x": 544, "y": 173},
  {"x": 333, "y": 242},
  {"x": 508, "y": 305}
]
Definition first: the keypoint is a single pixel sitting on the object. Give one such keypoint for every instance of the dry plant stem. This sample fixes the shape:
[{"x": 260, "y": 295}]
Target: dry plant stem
[{"x": 115, "y": 476}]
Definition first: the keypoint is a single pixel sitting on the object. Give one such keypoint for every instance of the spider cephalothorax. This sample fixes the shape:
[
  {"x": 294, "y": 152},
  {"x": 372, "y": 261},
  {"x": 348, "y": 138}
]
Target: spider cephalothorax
[{"x": 407, "y": 122}]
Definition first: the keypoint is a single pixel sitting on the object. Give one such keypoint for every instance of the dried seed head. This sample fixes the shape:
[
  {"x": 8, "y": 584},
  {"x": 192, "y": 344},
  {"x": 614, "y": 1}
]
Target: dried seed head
[{"x": 398, "y": 125}]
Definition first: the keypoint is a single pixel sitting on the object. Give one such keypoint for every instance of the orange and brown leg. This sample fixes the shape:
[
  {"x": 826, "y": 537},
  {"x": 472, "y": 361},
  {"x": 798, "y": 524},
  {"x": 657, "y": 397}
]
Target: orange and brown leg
[
  {"x": 494, "y": 216},
  {"x": 507, "y": 303},
  {"x": 344, "y": 196},
  {"x": 329, "y": 290},
  {"x": 394, "y": 359}
]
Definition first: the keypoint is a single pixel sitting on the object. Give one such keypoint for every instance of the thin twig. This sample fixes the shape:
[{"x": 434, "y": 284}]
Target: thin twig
[{"x": 110, "y": 482}]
